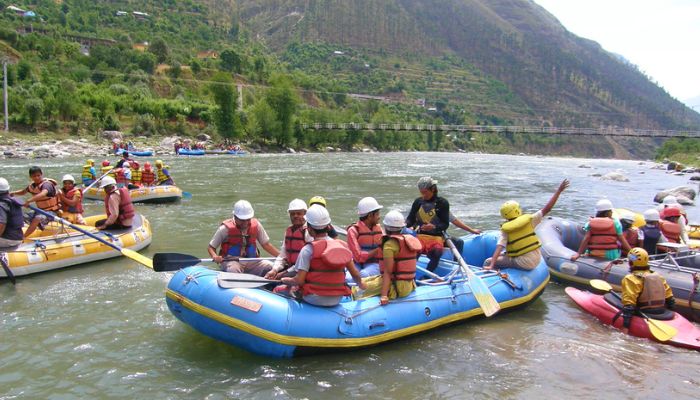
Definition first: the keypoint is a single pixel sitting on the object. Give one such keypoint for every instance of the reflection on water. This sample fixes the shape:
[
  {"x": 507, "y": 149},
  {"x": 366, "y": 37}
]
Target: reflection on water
[{"x": 103, "y": 330}]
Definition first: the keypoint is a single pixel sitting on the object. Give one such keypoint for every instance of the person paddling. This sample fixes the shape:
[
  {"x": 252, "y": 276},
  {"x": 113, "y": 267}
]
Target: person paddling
[
  {"x": 518, "y": 235},
  {"x": 45, "y": 194},
  {"x": 321, "y": 264},
  {"x": 11, "y": 218},
  {"x": 643, "y": 289}
]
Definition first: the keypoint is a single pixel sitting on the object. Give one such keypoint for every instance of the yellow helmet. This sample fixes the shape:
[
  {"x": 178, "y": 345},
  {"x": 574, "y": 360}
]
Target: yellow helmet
[
  {"x": 91, "y": 161},
  {"x": 159, "y": 163},
  {"x": 511, "y": 210},
  {"x": 638, "y": 257},
  {"x": 317, "y": 200}
]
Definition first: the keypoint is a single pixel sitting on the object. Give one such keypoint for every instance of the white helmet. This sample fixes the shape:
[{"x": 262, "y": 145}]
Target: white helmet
[
  {"x": 603, "y": 205},
  {"x": 394, "y": 219},
  {"x": 367, "y": 205},
  {"x": 106, "y": 181},
  {"x": 4, "y": 185},
  {"x": 670, "y": 199},
  {"x": 317, "y": 216},
  {"x": 68, "y": 177},
  {"x": 243, "y": 210},
  {"x": 126, "y": 165},
  {"x": 426, "y": 182},
  {"x": 297, "y": 204},
  {"x": 651, "y": 215}
]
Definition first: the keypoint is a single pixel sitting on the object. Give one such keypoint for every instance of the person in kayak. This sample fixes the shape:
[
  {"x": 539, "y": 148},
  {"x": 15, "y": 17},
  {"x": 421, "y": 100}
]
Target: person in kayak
[
  {"x": 430, "y": 215},
  {"x": 45, "y": 194},
  {"x": 320, "y": 200},
  {"x": 643, "y": 289},
  {"x": 321, "y": 264},
  {"x": 295, "y": 237},
  {"x": 604, "y": 237},
  {"x": 365, "y": 238},
  {"x": 11, "y": 218},
  {"x": 518, "y": 238},
  {"x": 237, "y": 237}
]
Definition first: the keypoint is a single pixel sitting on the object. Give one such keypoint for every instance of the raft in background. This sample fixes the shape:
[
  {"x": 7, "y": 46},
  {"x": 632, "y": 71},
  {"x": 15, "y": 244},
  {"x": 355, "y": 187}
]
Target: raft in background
[
  {"x": 560, "y": 239},
  {"x": 190, "y": 152},
  {"x": 226, "y": 152},
  {"x": 274, "y": 325},
  {"x": 144, "y": 153},
  {"x": 59, "y": 246},
  {"x": 144, "y": 194}
]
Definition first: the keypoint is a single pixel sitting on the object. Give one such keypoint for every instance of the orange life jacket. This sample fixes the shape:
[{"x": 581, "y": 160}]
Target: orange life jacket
[
  {"x": 51, "y": 202},
  {"x": 405, "y": 260},
  {"x": 126, "y": 207},
  {"x": 148, "y": 178},
  {"x": 326, "y": 276},
  {"x": 237, "y": 244},
  {"x": 603, "y": 234},
  {"x": 294, "y": 241},
  {"x": 76, "y": 209},
  {"x": 632, "y": 237},
  {"x": 369, "y": 240},
  {"x": 120, "y": 177},
  {"x": 671, "y": 230}
]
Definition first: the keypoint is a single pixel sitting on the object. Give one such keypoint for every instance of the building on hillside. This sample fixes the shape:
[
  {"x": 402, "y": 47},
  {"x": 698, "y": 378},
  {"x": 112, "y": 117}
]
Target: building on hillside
[
  {"x": 140, "y": 46},
  {"x": 140, "y": 15},
  {"x": 121, "y": 13},
  {"x": 208, "y": 54},
  {"x": 16, "y": 10}
]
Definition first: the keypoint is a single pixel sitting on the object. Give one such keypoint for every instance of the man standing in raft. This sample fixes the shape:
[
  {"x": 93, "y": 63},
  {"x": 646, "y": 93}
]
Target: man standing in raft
[
  {"x": 604, "y": 237},
  {"x": 643, "y": 289},
  {"x": 518, "y": 235},
  {"x": 237, "y": 237},
  {"x": 321, "y": 264},
  {"x": 120, "y": 211}
]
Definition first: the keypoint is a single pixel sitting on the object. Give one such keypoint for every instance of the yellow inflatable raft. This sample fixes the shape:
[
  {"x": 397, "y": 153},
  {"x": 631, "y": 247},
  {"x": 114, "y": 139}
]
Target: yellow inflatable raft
[
  {"x": 146, "y": 194},
  {"x": 58, "y": 246}
]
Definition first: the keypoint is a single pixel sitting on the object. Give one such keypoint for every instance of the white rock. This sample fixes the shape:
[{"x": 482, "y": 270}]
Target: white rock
[{"x": 614, "y": 176}]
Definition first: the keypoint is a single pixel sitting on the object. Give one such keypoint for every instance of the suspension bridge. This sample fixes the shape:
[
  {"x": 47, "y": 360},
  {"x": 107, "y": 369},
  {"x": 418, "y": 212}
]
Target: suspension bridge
[{"x": 545, "y": 130}]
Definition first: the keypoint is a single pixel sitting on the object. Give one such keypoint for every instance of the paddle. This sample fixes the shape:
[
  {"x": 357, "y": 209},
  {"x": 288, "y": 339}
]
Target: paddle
[
  {"x": 661, "y": 331},
  {"x": 126, "y": 252},
  {"x": 481, "y": 291},
  {"x": 165, "y": 262},
  {"x": 186, "y": 195},
  {"x": 7, "y": 269},
  {"x": 233, "y": 280},
  {"x": 96, "y": 180}
]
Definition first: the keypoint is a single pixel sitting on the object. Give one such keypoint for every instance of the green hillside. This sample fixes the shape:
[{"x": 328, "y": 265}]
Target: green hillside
[{"x": 171, "y": 67}]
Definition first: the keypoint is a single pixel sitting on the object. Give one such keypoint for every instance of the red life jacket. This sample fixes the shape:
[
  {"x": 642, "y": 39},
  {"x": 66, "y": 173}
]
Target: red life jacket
[
  {"x": 237, "y": 244},
  {"x": 148, "y": 178},
  {"x": 603, "y": 234},
  {"x": 120, "y": 177},
  {"x": 369, "y": 239},
  {"x": 51, "y": 202},
  {"x": 294, "y": 241},
  {"x": 672, "y": 231},
  {"x": 632, "y": 237},
  {"x": 76, "y": 209},
  {"x": 326, "y": 276},
  {"x": 126, "y": 208},
  {"x": 405, "y": 260}
]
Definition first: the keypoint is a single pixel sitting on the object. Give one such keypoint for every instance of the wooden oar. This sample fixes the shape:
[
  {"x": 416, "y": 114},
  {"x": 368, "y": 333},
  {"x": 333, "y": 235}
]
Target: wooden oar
[
  {"x": 661, "y": 331},
  {"x": 481, "y": 291},
  {"x": 233, "y": 280},
  {"x": 126, "y": 252},
  {"x": 165, "y": 262},
  {"x": 8, "y": 271},
  {"x": 96, "y": 180}
]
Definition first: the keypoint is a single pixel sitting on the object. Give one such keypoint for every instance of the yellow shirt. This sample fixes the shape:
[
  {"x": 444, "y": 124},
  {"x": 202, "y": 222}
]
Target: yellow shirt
[{"x": 633, "y": 284}]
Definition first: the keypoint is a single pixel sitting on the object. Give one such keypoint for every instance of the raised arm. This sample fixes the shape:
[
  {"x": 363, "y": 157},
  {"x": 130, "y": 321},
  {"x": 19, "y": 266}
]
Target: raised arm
[{"x": 552, "y": 201}]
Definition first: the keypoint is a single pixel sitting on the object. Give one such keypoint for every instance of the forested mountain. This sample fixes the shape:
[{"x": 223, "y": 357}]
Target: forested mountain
[{"x": 162, "y": 67}]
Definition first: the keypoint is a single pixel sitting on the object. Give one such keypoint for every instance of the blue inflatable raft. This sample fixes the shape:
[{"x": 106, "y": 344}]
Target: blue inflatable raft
[
  {"x": 273, "y": 325},
  {"x": 145, "y": 153},
  {"x": 190, "y": 152}
]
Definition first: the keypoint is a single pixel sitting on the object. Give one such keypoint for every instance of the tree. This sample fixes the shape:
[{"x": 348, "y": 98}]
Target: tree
[
  {"x": 230, "y": 61},
  {"x": 262, "y": 121},
  {"x": 283, "y": 100},
  {"x": 225, "y": 98},
  {"x": 159, "y": 49},
  {"x": 34, "y": 109}
]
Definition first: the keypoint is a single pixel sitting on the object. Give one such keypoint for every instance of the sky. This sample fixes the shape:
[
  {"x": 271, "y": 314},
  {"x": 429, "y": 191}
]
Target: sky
[{"x": 661, "y": 37}]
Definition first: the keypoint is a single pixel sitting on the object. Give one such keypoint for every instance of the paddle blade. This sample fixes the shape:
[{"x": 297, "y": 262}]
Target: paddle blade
[
  {"x": 141, "y": 259},
  {"x": 661, "y": 331},
  {"x": 186, "y": 195},
  {"x": 164, "y": 262},
  {"x": 601, "y": 285},
  {"x": 482, "y": 294}
]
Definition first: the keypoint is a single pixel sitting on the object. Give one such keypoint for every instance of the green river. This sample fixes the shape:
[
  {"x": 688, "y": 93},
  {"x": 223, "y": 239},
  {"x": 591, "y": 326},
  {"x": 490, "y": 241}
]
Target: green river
[{"x": 102, "y": 330}]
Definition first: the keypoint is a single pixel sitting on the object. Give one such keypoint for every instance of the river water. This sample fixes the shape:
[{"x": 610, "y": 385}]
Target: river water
[{"x": 103, "y": 330}]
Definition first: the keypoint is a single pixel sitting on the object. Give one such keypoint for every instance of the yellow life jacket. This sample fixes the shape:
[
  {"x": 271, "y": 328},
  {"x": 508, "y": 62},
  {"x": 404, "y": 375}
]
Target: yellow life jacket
[
  {"x": 135, "y": 175},
  {"x": 107, "y": 168},
  {"x": 161, "y": 176},
  {"x": 521, "y": 236},
  {"x": 87, "y": 173}
]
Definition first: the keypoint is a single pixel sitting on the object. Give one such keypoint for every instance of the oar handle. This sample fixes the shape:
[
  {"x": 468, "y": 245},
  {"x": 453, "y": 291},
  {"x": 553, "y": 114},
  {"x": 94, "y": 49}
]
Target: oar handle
[
  {"x": 77, "y": 228},
  {"x": 97, "y": 180}
]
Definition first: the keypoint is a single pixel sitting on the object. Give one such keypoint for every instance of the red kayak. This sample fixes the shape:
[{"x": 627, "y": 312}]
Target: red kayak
[{"x": 688, "y": 335}]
